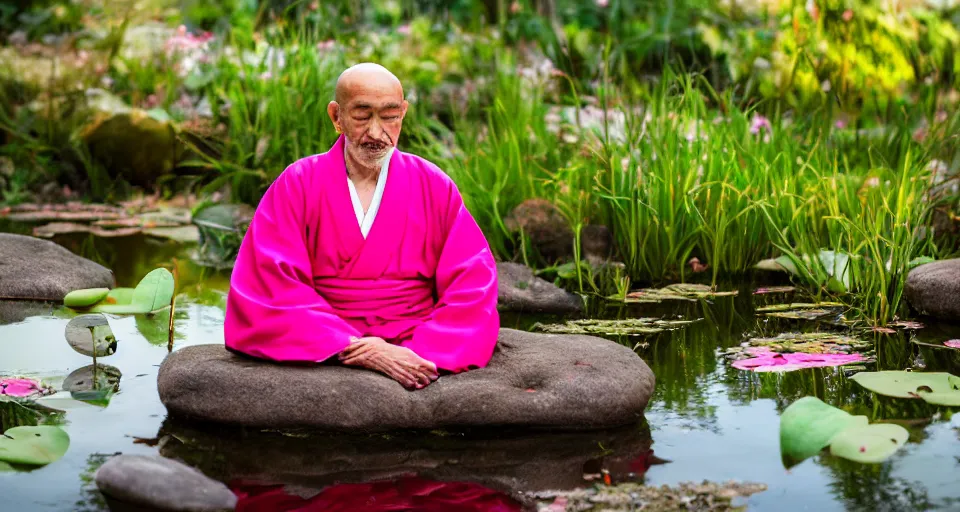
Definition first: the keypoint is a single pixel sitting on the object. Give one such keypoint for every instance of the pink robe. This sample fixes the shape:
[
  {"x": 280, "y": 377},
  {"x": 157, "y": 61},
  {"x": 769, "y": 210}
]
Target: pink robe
[{"x": 306, "y": 281}]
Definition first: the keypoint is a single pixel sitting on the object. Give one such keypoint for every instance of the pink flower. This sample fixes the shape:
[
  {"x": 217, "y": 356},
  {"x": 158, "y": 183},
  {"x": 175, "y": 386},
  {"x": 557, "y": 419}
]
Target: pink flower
[
  {"x": 326, "y": 45},
  {"x": 404, "y": 29},
  {"x": 767, "y": 361},
  {"x": 602, "y": 3},
  {"x": 20, "y": 388},
  {"x": 952, "y": 343},
  {"x": 840, "y": 124},
  {"x": 847, "y": 15},
  {"x": 760, "y": 123},
  {"x": 184, "y": 41}
]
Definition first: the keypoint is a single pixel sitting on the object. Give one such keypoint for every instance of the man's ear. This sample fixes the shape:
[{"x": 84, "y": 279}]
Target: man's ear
[{"x": 333, "y": 110}]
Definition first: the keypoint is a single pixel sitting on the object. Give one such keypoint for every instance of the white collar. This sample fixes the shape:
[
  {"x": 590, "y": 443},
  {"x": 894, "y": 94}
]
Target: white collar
[{"x": 366, "y": 220}]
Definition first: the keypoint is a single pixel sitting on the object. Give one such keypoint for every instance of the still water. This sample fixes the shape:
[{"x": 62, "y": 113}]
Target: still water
[{"x": 707, "y": 421}]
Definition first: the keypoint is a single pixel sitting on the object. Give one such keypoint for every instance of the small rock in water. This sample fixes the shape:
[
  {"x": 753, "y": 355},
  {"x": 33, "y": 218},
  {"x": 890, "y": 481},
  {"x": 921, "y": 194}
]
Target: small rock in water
[
  {"x": 158, "y": 483},
  {"x": 91, "y": 335}
]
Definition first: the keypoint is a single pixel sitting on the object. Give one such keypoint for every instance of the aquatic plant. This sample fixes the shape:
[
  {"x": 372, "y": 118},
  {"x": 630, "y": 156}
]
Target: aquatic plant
[
  {"x": 808, "y": 425},
  {"x": 938, "y": 388}
]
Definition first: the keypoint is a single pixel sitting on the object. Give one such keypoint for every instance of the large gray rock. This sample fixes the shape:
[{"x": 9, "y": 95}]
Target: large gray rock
[
  {"x": 140, "y": 482},
  {"x": 934, "y": 289},
  {"x": 35, "y": 269},
  {"x": 533, "y": 380},
  {"x": 521, "y": 291}
]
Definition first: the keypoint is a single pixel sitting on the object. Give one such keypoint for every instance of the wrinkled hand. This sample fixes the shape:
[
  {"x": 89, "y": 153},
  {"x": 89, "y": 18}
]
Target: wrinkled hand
[{"x": 399, "y": 363}]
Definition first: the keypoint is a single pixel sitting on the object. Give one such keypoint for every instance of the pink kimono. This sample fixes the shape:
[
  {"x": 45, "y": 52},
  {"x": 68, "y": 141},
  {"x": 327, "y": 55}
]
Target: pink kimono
[{"x": 306, "y": 280}]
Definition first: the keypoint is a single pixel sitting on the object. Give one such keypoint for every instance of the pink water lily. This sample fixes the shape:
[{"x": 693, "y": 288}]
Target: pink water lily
[
  {"x": 952, "y": 343},
  {"x": 19, "y": 388},
  {"x": 768, "y": 361}
]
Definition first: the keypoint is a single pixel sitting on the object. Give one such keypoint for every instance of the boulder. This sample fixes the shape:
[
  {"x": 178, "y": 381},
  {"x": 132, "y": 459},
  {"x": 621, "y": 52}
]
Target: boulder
[
  {"x": 533, "y": 380},
  {"x": 135, "y": 144},
  {"x": 140, "y": 482},
  {"x": 934, "y": 289},
  {"x": 548, "y": 230},
  {"x": 35, "y": 269},
  {"x": 521, "y": 291}
]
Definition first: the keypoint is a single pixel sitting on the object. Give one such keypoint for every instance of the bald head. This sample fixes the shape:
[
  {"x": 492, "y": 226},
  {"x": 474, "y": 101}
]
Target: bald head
[
  {"x": 366, "y": 76},
  {"x": 368, "y": 110}
]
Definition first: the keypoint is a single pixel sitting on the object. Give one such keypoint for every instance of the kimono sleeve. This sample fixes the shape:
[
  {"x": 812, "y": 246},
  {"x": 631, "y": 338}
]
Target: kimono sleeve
[
  {"x": 273, "y": 310},
  {"x": 462, "y": 330}
]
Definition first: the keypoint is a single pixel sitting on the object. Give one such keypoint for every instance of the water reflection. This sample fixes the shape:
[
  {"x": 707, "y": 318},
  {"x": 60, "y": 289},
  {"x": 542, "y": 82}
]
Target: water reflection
[
  {"x": 409, "y": 493},
  {"x": 510, "y": 462}
]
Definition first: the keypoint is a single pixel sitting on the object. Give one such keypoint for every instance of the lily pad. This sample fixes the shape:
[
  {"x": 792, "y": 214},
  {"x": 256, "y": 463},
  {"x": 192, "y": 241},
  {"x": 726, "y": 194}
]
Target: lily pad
[
  {"x": 91, "y": 335},
  {"x": 679, "y": 291},
  {"x": 937, "y": 388},
  {"x": 774, "y": 289},
  {"x": 85, "y": 298},
  {"x": 798, "y": 305},
  {"x": 809, "y": 425},
  {"x": 625, "y": 327},
  {"x": 869, "y": 443},
  {"x": 154, "y": 292},
  {"x": 774, "y": 362},
  {"x": 34, "y": 446}
]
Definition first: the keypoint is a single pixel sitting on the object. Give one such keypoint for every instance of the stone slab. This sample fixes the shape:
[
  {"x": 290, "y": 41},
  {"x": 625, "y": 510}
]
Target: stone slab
[{"x": 533, "y": 380}]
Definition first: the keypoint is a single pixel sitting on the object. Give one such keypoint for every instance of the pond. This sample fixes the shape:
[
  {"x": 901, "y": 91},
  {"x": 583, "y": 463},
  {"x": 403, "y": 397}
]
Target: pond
[{"x": 706, "y": 421}]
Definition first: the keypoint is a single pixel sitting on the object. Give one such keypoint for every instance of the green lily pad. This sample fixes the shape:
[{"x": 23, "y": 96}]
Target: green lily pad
[
  {"x": 678, "y": 291},
  {"x": 33, "y": 445},
  {"x": 938, "y": 388},
  {"x": 625, "y": 327},
  {"x": 85, "y": 298},
  {"x": 869, "y": 443},
  {"x": 154, "y": 292},
  {"x": 808, "y": 426},
  {"x": 120, "y": 296}
]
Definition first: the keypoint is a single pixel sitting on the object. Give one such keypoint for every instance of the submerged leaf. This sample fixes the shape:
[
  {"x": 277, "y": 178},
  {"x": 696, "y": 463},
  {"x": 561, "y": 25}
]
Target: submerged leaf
[
  {"x": 774, "y": 289},
  {"x": 937, "y": 388},
  {"x": 808, "y": 426},
  {"x": 869, "y": 443},
  {"x": 33, "y": 445}
]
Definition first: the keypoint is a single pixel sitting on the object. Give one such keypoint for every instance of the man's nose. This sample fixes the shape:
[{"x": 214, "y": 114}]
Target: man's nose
[{"x": 375, "y": 130}]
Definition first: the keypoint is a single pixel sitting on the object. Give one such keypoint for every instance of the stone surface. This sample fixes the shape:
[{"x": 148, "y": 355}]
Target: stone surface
[
  {"x": 520, "y": 290},
  {"x": 131, "y": 143},
  {"x": 549, "y": 231},
  {"x": 934, "y": 289},
  {"x": 35, "y": 269},
  {"x": 533, "y": 380},
  {"x": 158, "y": 483}
]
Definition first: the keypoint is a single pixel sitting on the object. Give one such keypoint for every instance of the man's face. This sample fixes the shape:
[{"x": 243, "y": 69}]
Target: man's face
[{"x": 371, "y": 119}]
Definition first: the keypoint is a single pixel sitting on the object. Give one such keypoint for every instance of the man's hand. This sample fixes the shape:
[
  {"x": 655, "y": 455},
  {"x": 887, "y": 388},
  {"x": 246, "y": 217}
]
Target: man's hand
[{"x": 399, "y": 363}]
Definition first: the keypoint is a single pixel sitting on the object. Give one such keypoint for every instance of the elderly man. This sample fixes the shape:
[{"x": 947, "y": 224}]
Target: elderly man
[{"x": 367, "y": 253}]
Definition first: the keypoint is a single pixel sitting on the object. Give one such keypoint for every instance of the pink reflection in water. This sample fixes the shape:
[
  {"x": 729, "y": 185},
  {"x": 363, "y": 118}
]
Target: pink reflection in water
[{"x": 403, "y": 494}]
